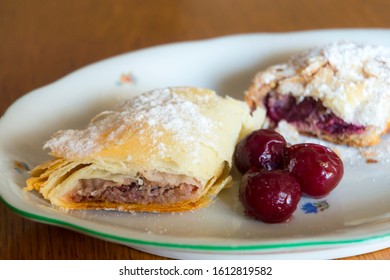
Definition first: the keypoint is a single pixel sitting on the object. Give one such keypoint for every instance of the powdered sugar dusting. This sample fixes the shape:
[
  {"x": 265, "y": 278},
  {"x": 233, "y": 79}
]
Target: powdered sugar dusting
[
  {"x": 350, "y": 60},
  {"x": 161, "y": 109},
  {"x": 172, "y": 111},
  {"x": 356, "y": 62},
  {"x": 73, "y": 143}
]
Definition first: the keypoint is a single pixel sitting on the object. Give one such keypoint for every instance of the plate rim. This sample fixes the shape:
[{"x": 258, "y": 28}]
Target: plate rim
[{"x": 196, "y": 247}]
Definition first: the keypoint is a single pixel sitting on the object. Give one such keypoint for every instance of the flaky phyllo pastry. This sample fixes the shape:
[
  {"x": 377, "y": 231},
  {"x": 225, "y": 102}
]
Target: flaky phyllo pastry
[
  {"x": 339, "y": 92},
  {"x": 165, "y": 150}
]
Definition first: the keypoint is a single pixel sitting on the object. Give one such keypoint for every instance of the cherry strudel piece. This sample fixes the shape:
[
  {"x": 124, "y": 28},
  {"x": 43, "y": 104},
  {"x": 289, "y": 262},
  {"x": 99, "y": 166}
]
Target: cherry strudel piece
[{"x": 339, "y": 92}]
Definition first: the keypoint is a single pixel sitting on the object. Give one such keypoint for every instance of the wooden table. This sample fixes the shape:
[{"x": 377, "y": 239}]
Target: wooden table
[{"x": 42, "y": 40}]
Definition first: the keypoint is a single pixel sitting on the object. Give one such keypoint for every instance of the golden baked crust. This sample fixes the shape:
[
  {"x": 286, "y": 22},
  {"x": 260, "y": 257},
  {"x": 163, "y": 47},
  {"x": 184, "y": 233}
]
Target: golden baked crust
[
  {"x": 165, "y": 150},
  {"x": 351, "y": 81}
]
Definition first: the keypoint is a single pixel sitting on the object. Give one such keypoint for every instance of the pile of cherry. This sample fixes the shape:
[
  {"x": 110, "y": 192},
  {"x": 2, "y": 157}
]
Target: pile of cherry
[{"x": 276, "y": 175}]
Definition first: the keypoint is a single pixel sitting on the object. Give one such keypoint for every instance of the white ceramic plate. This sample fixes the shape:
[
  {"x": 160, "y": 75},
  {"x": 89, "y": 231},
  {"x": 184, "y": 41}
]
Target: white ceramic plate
[{"x": 353, "y": 219}]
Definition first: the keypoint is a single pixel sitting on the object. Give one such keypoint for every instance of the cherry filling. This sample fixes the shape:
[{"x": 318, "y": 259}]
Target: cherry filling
[{"x": 309, "y": 115}]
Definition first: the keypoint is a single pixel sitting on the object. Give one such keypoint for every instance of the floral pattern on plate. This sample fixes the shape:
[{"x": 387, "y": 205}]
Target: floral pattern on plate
[
  {"x": 126, "y": 79},
  {"x": 315, "y": 207}
]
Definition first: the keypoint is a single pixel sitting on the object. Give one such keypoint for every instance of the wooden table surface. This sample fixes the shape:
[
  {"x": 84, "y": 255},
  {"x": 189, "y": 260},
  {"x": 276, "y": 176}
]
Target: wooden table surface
[{"x": 42, "y": 40}]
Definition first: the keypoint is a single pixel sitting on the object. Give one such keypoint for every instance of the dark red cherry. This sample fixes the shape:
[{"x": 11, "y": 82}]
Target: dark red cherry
[
  {"x": 318, "y": 169},
  {"x": 269, "y": 195},
  {"x": 263, "y": 149}
]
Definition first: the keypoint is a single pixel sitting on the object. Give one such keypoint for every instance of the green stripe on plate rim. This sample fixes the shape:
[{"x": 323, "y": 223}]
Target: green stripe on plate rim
[{"x": 106, "y": 236}]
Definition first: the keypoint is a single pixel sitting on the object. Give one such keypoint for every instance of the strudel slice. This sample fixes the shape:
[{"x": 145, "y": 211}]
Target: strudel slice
[
  {"x": 339, "y": 92},
  {"x": 165, "y": 150}
]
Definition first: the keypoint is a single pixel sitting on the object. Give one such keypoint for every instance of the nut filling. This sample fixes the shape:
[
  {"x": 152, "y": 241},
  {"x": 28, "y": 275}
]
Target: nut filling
[{"x": 140, "y": 191}]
